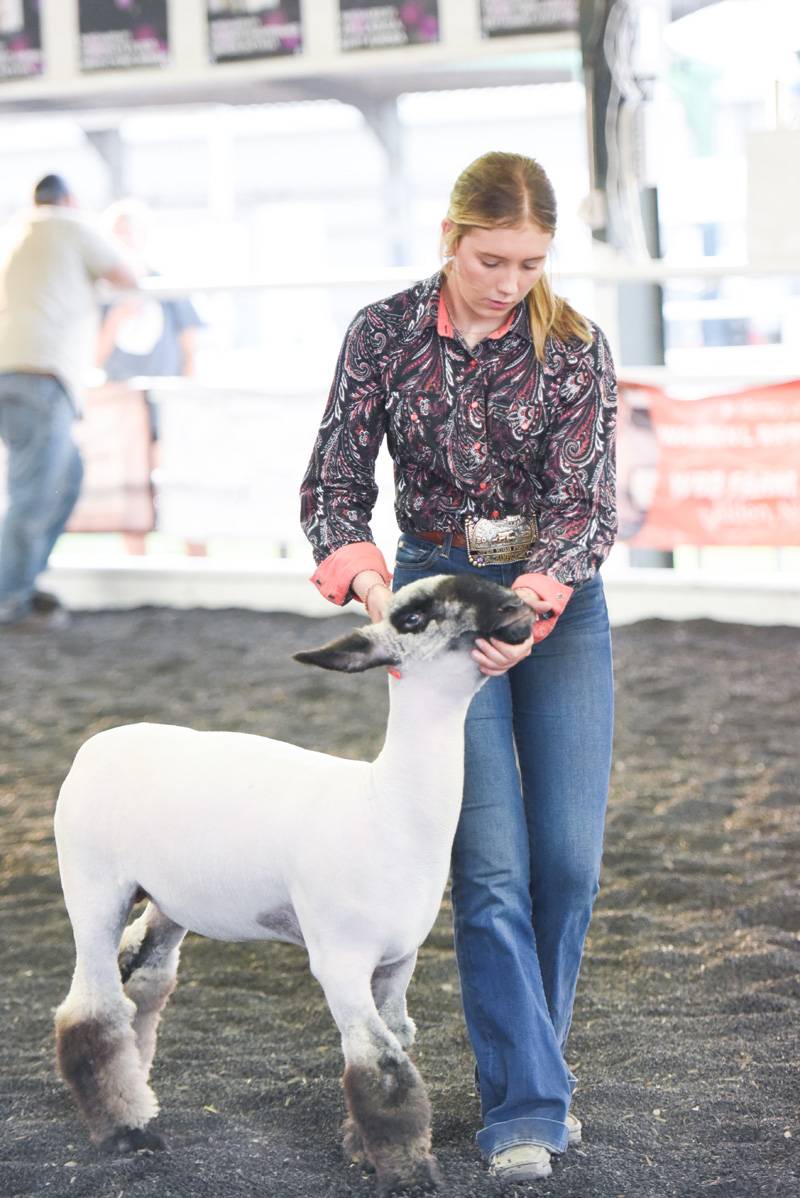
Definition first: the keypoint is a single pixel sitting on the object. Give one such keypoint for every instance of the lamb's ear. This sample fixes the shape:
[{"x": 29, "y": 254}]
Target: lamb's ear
[{"x": 351, "y": 653}]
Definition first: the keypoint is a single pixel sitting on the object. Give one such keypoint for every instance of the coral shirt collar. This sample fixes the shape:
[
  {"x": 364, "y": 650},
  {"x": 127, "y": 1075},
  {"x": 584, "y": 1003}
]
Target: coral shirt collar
[{"x": 446, "y": 328}]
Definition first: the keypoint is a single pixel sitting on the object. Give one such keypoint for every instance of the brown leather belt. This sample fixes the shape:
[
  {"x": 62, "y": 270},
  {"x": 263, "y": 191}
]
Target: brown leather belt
[
  {"x": 437, "y": 538},
  {"x": 491, "y": 542}
]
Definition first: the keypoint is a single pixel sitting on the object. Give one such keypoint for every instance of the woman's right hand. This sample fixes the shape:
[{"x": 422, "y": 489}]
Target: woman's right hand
[
  {"x": 377, "y": 604},
  {"x": 374, "y": 593}
]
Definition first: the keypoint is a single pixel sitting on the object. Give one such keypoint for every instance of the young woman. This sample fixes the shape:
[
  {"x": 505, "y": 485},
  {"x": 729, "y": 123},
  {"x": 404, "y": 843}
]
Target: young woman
[{"x": 498, "y": 401}]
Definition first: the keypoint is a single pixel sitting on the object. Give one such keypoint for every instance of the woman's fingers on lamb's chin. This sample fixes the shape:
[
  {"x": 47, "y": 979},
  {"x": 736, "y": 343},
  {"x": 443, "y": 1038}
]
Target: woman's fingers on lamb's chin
[
  {"x": 488, "y": 652},
  {"x": 494, "y": 660},
  {"x": 488, "y": 664}
]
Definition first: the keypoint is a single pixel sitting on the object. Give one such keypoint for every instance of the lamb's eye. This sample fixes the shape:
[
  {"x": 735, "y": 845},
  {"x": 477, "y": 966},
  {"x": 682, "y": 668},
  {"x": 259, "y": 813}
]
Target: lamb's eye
[{"x": 410, "y": 621}]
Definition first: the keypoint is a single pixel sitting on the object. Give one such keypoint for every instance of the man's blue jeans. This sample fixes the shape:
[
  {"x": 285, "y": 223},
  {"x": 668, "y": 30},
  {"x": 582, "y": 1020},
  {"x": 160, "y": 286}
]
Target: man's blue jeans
[
  {"x": 44, "y": 479},
  {"x": 526, "y": 858}
]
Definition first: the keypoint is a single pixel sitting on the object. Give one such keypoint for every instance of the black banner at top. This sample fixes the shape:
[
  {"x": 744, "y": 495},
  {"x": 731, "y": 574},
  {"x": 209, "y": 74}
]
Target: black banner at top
[
  {"x": 118, "y": 34},
  {"x": 502, "y": 17},
  {"x": 242, "y": 29},
  {"x": 20, "y": 39},
  {"x": 373, "y": 25}
]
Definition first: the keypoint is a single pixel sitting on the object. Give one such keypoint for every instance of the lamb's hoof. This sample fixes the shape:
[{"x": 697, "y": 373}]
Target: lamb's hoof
[
  {"x": 132, "y": 1139},
  {"x": 353, "y": 1146},
  {"x": 421, "y": 1179}
]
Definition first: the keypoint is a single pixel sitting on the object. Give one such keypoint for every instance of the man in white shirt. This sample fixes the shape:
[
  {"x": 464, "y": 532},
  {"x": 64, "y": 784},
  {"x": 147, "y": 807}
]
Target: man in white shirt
[{"x": 48, "y": 331}]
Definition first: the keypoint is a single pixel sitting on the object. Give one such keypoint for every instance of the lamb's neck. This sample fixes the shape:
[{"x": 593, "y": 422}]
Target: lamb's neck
[{"x": 420, "y": 770}]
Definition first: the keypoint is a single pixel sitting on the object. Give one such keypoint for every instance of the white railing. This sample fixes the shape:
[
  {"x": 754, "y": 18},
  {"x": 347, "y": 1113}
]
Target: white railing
[{"x": 237, "y": 454}]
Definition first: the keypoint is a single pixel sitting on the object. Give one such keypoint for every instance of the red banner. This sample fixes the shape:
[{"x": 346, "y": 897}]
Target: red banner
[{"x": 723, "y": 470}]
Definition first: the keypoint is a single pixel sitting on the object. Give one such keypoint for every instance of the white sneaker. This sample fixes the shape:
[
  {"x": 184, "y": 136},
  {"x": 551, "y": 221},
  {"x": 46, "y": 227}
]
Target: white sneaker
[
  {"x": 575, "y": 1129},
  {"x": 520, "y": 1162}
]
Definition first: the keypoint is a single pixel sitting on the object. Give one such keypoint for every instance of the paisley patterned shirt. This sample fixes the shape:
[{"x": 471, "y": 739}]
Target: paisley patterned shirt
[{"x": 487, "y": 431}]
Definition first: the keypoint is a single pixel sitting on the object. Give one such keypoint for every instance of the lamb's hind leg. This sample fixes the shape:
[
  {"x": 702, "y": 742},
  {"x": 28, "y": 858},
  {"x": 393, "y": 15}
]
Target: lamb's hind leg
[
  {"x": 387, "y": 1103},
  {"x": 148, "y": 965},
  {"x": 95, "y": 1041}
]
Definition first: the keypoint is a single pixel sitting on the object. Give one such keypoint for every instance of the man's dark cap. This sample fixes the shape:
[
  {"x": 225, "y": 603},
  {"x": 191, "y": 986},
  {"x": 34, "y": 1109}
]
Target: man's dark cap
[{"x": 52, "y": 189}]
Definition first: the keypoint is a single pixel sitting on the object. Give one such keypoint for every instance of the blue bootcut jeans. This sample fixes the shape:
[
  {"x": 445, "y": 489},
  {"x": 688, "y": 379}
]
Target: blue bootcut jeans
[
  {"x": 526, "y": 857},
  {"x": 44, "y": 479}
]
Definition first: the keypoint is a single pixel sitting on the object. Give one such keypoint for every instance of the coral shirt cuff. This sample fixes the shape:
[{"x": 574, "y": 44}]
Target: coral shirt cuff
[
  {"x": 333, "y": 577},
  {"x": 556, "y": 593}
]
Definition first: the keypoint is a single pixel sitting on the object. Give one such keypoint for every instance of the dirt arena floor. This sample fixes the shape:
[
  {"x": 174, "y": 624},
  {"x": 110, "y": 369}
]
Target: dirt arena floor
[{"x": 686, "y": 1028}]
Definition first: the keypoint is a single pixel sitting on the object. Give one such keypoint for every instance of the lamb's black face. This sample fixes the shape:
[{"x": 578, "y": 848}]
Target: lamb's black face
[
  {"x": 463, "y": 607},
  {"x": 428, "y": 618}
]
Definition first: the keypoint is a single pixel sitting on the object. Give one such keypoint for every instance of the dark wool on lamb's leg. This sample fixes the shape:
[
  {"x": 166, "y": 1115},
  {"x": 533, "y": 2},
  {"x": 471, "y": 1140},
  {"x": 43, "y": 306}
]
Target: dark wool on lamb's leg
[
  {"x": 389, "y": 1106},
  {"x": 98, "y": 1059},
  {"x": 96, "y": 1045}
]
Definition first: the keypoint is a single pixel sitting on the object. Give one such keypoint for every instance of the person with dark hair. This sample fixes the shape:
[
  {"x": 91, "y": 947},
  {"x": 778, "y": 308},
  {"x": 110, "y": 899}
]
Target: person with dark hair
[
  {"x": 52, "y": 189},
  {"x": 48, "y": 328},
  {"x": 498, "y": 401}
]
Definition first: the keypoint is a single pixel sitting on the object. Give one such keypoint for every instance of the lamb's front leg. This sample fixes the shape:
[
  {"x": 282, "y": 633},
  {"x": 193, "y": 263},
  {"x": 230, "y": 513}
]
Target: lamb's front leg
[
  {"x": 386, "y": 1098},
  {"x": 389, "y": 984}
]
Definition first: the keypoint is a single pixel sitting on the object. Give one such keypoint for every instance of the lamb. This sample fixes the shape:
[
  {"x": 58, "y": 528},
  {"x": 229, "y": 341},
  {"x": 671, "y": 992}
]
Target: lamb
[{"x": 240, "y": 837}]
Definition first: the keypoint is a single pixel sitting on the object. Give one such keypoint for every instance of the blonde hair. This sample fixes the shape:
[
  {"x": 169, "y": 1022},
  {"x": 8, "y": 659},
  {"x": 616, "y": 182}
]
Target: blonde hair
[{"x": 506, "y": 191}]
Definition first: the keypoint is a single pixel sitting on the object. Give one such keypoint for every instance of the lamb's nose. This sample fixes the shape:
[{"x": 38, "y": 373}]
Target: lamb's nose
[{"x": 510, "y": 612}]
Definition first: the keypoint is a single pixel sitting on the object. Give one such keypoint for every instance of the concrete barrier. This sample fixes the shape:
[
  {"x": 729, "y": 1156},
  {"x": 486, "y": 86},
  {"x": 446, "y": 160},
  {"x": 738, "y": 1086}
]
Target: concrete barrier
[{"x": 282, "y": 585}]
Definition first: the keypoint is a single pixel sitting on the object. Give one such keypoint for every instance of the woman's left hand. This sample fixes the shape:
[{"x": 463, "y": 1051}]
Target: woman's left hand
[{"x": 496, "y": 657}]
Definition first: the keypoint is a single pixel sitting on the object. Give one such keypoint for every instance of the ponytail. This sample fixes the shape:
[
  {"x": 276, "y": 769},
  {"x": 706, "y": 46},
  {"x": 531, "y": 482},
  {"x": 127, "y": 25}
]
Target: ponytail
[{"x": 550, "y": 314}]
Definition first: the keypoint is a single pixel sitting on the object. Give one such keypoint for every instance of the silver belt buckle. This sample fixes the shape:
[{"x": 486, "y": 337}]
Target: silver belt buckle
[{"x": 498, "y": 542}]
